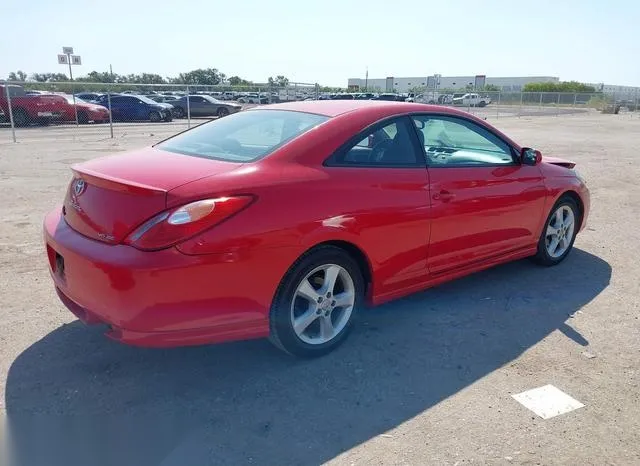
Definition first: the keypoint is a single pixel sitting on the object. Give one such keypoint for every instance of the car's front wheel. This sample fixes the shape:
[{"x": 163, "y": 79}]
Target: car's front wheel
[
  {"x": 178, "y": 112},
  {"x": 316, "y": 302},
  {"x": 559, "y": 232}
]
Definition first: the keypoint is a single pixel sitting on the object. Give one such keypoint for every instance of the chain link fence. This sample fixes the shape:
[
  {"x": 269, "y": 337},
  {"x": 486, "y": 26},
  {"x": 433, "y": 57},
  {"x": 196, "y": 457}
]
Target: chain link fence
[{"x": 79, "y": 110}]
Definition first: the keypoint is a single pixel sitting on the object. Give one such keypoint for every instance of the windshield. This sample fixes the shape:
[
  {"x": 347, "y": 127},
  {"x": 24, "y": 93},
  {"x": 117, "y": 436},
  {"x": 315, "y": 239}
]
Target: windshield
[
  {"x": 146, "y": 99},
  {"x": 455, "y": 96},
  {"x": 69, "y": 99},
  {"x": 211, "y": 99},
  {"x": 244, "y": 136}
]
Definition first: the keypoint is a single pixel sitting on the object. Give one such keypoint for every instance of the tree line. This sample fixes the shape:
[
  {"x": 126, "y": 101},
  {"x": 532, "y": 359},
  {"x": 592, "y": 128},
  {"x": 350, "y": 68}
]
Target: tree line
[
  {"x": 563, "y": 86},
  {"x": 201, "y": 76}
]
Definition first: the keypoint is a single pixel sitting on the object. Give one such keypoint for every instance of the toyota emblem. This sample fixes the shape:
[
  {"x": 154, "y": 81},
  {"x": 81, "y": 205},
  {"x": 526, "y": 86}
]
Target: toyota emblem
[{"x": 79, "y": 186}]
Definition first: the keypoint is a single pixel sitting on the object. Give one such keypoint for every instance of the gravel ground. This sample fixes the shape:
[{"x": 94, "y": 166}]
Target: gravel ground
[{"x": 426, "y": 380}]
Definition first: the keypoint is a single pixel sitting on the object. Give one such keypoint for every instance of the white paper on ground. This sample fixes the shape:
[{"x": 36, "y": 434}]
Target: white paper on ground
[{"x": 547, "y": 401}]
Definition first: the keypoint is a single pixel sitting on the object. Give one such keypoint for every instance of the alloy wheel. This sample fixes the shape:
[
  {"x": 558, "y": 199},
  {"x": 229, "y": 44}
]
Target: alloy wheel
[
  {"x": 322, "y": 304},
  {"x": 559, "y": 233}
]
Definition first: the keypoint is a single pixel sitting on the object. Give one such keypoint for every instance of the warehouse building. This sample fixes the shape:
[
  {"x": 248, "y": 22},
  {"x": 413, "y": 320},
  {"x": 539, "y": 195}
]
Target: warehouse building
[
  {"x": 505, "y": 84},
  {"x": 394, "y": 84}
]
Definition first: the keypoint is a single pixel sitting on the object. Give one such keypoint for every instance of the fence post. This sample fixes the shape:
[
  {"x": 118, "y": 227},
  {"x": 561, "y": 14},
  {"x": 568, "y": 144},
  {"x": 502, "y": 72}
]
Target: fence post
[
  {"x": 188, "y": 110},
  {"x": 13, "y": 127},
  {"x": 541, "y": 102},
  {"x": 520, "y": 109},
  {"x": 110, "y": 116},
  {"x": 575, "y": 100},
  {"x": 558, "y": 105},
  {"x": 498, "y": 106}
]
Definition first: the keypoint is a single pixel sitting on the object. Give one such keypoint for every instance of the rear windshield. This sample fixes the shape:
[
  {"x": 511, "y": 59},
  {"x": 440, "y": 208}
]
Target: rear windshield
[{"x": 244, "y": 136}]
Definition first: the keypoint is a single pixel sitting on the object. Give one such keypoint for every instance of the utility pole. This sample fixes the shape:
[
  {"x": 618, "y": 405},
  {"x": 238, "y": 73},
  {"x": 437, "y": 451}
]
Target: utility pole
[{"x": 366, "y": 80}]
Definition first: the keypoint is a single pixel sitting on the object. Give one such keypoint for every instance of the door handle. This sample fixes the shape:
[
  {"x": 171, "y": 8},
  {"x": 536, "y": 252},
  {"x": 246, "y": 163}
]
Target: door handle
[{"x": 444, "y": 196}]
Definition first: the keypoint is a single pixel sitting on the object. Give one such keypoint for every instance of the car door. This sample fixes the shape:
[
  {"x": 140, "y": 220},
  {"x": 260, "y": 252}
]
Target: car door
[
  {"x": 195, "y": 105},
  {"x": 117, "y": 107},
  {"x": 382, "y": 180},
  {"x": 484, "y": 202},
  {"x": 132, "y": 108},
  {"x": 209, "y": 106}
]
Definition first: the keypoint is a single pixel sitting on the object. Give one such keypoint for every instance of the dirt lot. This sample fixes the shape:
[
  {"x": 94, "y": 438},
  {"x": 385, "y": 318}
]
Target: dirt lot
[{"x": 427, "y": 380}]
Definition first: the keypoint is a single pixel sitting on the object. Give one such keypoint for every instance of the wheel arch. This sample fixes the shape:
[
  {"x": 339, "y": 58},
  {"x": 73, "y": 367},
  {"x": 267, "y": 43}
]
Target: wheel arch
[
  {"x": 357, "y": 254},
  {"x": 579, "y": 202}
]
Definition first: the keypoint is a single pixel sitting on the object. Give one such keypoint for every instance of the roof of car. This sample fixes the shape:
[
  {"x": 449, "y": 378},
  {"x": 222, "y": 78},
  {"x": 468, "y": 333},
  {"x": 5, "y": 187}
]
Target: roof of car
[{"x": 332, "y": 108}]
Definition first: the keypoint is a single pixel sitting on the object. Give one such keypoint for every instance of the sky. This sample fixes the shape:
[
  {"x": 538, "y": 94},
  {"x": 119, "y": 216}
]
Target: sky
[{"x": 329, "y": 41}]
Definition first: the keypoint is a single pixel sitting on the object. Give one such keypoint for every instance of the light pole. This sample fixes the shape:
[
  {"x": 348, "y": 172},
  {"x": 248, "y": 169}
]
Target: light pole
[{"x": 68, "y": 58}]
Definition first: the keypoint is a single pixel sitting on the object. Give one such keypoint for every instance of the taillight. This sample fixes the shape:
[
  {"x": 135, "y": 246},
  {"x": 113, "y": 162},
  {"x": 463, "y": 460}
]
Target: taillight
[{"x": 179, "y": 224}]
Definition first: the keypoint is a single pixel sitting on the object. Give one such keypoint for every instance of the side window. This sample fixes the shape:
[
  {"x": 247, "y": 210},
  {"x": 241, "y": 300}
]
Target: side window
[
  {"x": 389, "y": 145},
  {"x": 451, "y": 142},
  {"x": 195, "y": 99}
]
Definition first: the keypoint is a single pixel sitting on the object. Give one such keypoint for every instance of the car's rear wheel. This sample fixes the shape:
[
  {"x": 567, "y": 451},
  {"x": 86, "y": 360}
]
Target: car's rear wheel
[
  {"x": 178, "y": 112},
  {"x": 154, "y": 117},
  {"x": 83, "y": 118},
  {"x": 20, "y": 117},
  {"x": 559, "y": 232},
  {"x": 222, "y": 112},
  {"x": 482, "y": 104},
  {"x": 316, "y": 302}
]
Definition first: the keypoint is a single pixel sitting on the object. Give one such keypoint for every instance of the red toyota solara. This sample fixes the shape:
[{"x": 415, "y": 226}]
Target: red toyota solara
[{"x": 284, "y": 221}]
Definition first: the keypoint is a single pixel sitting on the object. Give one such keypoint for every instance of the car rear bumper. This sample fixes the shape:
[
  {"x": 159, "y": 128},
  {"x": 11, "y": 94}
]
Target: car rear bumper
[{"x": 161, "y": 298}]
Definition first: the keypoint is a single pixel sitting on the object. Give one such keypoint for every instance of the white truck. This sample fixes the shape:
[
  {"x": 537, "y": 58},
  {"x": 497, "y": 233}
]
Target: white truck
[{"x": 471, "y": 100}]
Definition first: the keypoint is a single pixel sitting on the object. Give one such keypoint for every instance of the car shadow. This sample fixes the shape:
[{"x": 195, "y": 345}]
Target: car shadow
[{"x": 75, "y": 397}]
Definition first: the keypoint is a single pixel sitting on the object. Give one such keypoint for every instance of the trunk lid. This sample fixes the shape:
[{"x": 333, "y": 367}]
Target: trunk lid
[{"x": 111, "y": 196}]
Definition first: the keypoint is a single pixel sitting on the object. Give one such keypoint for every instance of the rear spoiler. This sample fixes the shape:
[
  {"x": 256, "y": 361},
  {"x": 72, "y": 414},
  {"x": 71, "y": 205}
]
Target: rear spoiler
[{"x": 116, "y": 184}]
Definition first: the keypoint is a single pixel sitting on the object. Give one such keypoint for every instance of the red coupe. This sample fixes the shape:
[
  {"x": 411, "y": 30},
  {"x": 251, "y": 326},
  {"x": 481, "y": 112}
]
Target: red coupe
[{"x": 284, "y": 221}]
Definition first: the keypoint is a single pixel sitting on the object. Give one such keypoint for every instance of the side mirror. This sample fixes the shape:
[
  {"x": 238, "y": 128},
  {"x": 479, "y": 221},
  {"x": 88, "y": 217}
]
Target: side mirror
[{"x": 530, "y": 156}]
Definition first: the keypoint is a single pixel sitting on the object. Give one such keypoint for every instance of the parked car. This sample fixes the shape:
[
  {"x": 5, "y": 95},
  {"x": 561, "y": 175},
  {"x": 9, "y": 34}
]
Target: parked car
[
  {"x": 128, "y": 107},
  {"x": 253, "y": 98},
  {"x": 166, "y": 99},
  {"x": 427, "y": 98},
  {"x": 471, "y": 100},
  {"x": 31, "y": 109},
  {"x": 389, "y": 96},
  {"x": 228, "y": 95},
  {"x": 203, "y": 105},
  {"x": 87, "y": 111},
  {"x": 342, "y": 96},
  {"x": 89, "y": 96},
  {"x": 160, "y": 244}
]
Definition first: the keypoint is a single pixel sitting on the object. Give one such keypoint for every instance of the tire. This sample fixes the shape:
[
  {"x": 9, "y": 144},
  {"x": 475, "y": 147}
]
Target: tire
[
  {"x": 168, "y": 118},
  {"x": 566, "y": 206},
  {"x": 222, "y": 112},
  {"x": 324, "y": 314},
  {"x": 20, "y": 117},
  {"x": 178, "y": 112},
  {"x": 83, "y": 119},
  {"x": 154, "y": 117},
  {"x": 482, "y": 104}
]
